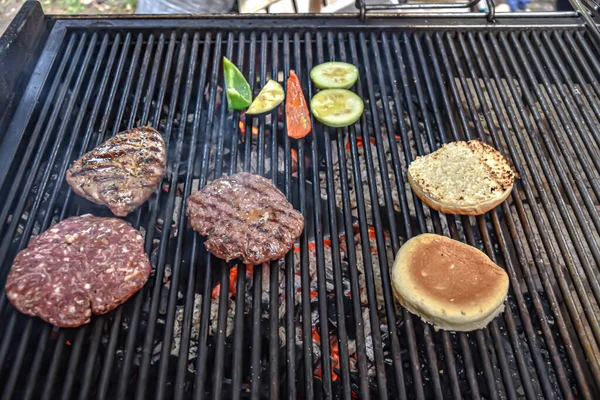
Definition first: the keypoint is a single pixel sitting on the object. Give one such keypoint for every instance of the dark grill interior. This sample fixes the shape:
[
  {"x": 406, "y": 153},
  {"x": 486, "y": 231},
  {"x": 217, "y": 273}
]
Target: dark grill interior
[{"x": 533, "y": 94}]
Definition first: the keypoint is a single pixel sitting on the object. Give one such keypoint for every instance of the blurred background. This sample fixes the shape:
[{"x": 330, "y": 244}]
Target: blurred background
[{"x": 8, "y": 8}]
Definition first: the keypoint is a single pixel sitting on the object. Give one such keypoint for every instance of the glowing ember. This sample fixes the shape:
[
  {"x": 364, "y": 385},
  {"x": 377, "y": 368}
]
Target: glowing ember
[
  {"x": 294, "y": 161},
  {"x": 242, "y": 126},
  {"x": 372, "y": 232},
  {"x": 359, "y": 141},
  {"x": 335, "y": 356},
  {"x": 233, "y": 273}
]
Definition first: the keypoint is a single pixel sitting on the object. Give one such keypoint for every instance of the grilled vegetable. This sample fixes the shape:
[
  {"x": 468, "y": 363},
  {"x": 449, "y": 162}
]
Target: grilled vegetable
[
  {"x": 334, "y": 75},
  {"x": 296, "y": 109},
  {"x": 337, "y": 107},
  {"x": 239, "y": 95},
  {"x": 269, "y": 97}
]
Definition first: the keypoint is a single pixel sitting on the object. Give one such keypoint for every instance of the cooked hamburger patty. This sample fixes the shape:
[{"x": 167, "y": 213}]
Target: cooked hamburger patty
[
  {"x": 81, "y": 266},
  {"x": 245, "y": 215},
  {"x": 122, "y": 172}
]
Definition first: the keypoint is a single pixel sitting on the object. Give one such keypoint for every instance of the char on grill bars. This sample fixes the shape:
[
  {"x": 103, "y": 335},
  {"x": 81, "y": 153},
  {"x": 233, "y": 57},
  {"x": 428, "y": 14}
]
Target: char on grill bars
[{"x": 320, "y": 322}]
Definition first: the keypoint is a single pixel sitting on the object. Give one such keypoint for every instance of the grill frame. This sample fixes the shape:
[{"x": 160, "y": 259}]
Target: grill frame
[{"x": 469, "y": 30}]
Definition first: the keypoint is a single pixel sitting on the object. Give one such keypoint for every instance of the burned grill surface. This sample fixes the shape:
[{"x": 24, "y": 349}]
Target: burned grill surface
[{"x": 322, "y": 322}]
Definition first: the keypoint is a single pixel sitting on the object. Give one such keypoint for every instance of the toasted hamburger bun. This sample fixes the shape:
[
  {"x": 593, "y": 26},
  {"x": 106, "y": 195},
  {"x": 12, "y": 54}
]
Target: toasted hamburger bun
[
  {"x": 448, "y": 284},
  {"x": 468, "y": 178}
]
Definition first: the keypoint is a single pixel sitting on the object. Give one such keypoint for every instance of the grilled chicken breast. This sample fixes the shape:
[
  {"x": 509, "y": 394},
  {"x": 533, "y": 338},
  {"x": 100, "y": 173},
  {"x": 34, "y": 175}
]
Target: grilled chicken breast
[{"x": 122, "y": 172}]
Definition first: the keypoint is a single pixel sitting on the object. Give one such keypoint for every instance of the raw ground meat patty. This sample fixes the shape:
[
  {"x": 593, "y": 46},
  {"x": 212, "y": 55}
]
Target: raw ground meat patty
[
  {"x": 80, "y": 266},
  {"x": 245, "y": 215},
  {"x": 122, "y": 172}
]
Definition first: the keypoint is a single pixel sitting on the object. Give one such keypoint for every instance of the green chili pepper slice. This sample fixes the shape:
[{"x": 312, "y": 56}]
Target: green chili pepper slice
[{"x": 237, "y": 89}]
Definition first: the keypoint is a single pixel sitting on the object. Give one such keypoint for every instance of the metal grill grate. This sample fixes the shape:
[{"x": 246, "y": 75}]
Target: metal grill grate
[{"x": 530, "y": 93}]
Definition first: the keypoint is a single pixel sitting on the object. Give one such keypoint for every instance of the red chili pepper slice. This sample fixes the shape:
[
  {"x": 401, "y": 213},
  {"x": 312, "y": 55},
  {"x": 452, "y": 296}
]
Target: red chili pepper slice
[{"x": 296, "y": 109}]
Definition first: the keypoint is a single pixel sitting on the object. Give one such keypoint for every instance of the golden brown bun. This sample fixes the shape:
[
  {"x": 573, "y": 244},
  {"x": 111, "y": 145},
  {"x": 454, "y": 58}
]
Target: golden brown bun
[
  {"x": 448, "y": 283},
  {"x": 468, "y": 178}
]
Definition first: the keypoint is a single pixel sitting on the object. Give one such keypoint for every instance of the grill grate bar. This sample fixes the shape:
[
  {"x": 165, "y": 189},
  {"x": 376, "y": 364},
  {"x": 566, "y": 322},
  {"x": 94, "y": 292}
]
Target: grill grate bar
[
  {"x": 355, "y": 290},
  {"x": 7, "y": 393},
  {"x": 203, "y": 334},
  {"x": 591, "y": 122},
  {"x": 20, "y": 174},
  {"x": 30, "y": 222},
  {"x": 238, "y": 333},
  {"x": 224, "y": 284},
  {"x": 465, "y": 221},
  {"x": 505, "y": 371},
  {"x": 414, "y": 124},
  {"x": 290, "y": 268},
  {"x": 12, "y": 379},
  {"x": 364, "y": 234},
  {"x": 26, "y": 157},
  {"x": 97, "y": 324},
  {"x": 167, "y": 216},
  {"x": 400, "y": 185},
  {"x": 563, "y": 328},
  {"x": 106, "y": 372},
  {"x": 173, "y": 184},
  {"x": 451, "y": 222},
  {"x": 584, "y": 194},
  {"x": 72, "y": 366},
  {"x": 525, "y": 317},
  {"x": 421, "y": 89},
  {"x": 479, "y": 129},
  {"x": 334, "y": 234},
  {"x": 189, "y": 183},
  {"x": 517, "y": 164},
  {"x": 448, "y": 345},
  {"x": 578, "y": 150},
  {"x": 575, "y": 113},
  {"x": 307, "y": 339},
  {"x": 153, "y": 208},
  {"x": 381, "y": 243},
  {"x": 255, "y": 366},
  {"x": 523, "y": 368},
  {"x": 560, "y": 202},
  {"x": 582, "y": 63},
  {"x": 318, "y": 233},
  {"x": 274, "y": 272},
  {"x": 480, "y": 338},
  {"x": 557, "y": 195}
]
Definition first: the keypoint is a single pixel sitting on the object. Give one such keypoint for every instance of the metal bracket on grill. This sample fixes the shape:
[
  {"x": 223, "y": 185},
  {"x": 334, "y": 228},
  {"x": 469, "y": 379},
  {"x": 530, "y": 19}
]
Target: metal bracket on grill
[
  {"x": 363, "y": 7},
  {"x": 589, "y": 9}
]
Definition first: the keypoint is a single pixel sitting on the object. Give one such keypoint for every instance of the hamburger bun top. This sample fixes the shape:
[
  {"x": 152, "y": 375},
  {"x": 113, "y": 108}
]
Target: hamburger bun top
[
  {"x": 468, "y": 178},
  {"x": 448, "y": 283}
]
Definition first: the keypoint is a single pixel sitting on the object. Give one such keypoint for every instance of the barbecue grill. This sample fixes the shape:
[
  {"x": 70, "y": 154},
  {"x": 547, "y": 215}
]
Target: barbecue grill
[{"x": 322, "y": 322}]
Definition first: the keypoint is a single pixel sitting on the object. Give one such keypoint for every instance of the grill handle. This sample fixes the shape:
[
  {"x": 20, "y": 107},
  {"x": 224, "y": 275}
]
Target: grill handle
[{"x": 363, "y": 7}]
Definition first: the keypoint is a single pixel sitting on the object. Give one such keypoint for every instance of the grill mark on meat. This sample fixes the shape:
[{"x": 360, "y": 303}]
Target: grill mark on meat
[
  {"x": 122, "y": 172},
  {"x": 245, "y": 216}
]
